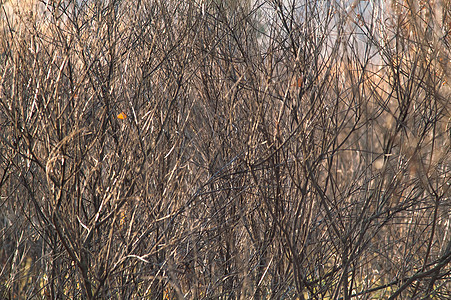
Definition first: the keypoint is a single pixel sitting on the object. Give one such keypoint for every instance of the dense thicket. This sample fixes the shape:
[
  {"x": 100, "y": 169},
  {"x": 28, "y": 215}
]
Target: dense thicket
[{"x": 268, "y": 150}]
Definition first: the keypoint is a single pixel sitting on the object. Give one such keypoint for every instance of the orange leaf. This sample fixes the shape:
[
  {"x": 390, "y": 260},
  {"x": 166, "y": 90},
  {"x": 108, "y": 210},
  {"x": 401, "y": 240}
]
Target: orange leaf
[
  {"x": 122, "y": 116},
  {"x": 297, "y": 82}
]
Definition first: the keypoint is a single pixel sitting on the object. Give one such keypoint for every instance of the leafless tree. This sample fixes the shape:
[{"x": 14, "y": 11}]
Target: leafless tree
[{"x": 225, "y": 149}]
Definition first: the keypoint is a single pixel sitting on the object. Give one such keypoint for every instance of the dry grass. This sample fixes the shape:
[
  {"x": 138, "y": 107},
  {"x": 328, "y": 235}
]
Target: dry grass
[{"x": 265, "y": 151}]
